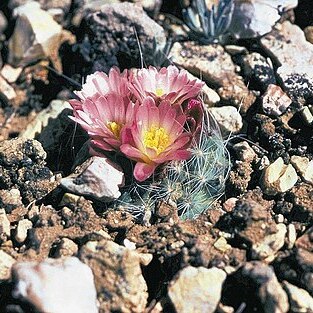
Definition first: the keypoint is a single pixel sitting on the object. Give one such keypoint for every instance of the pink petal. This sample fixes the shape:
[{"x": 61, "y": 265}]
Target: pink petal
[{"x": 142, "y": 171}]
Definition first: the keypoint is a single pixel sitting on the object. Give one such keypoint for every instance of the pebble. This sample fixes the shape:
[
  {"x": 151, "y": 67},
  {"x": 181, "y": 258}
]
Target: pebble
[
  {"x": 21, "y": 231},
  {"x": 98, "y": 177},
  {"x": 118, "y": 276},
  {"x": 36, "y": 36},
  {"x": 270, "y": 292},
  {"x": 4, "y": 223},
  {"x": 307, "y": 114},
  {"x": 278, "y": 177},
  {"x": 217, "y": 68},
  {"x": 304, "y": 166},
  {"x": 258, "y": 70},
  {"x": 6, "y": 262},
  {"x": 308, "y": 32},
  {"x": 291, "y": 235},
  {"x": 10, "y": 73},
  {"x": 196, "y": 289},
  {"x": 228, "y": 118},
  {"x": 3, "y": 22},
  {"x": 275, "y": 101},
  {"x": 68, "y": 280},
  {"x": 299, "y": 299},
  {"x": 244, "y": 152},
  {"x": 6, "y": 90},
  {"x": 66, "y": 247},
  {"x": 221, "y": 244}
]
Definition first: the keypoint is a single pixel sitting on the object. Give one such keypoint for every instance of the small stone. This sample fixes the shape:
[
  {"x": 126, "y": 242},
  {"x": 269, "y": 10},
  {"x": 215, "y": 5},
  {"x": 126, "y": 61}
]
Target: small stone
[
  {"x": 275, "y": 101},
  {"x": 36, "y": 35},
  {"x": 3, "y": 22},
  {"x": 278, "y": 177},
  {"x": 244, "y": 152},
  {"x": 68, "y": 280},
  {"x": 268, "y": 289},
  {"x": 300, "y": 300},
  {"x": 67, "y": 247},
  {"x": 196, "y": 289},
  {"x": 253, "y": 18},
  {"x": 258, "y": 71},
  {"x": 98, "y": 177},
  {"x": 291, "y": 235},
  {"x": 21, "y": 231},
  {"x": 221, "y": 244},
  {"x": 228, "y": 118},
  {"x": 307, "y": 114},
  {"x": 4, "y": 224},
  {"x": 308, "y": 32},
  {"x": 6, "y": 262},
  {"x": 6, "y": 90},
  {"x": 229, "y": 204},
  {"x": 118, "y": 276},
  {"x": 304, "y": 166},
  {"x": 279, "y": 218},
  {"x": 10, "y": 73}
]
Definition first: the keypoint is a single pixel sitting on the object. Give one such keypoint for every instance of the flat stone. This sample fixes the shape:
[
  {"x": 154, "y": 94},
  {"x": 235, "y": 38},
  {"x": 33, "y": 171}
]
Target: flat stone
[
  {"x": 118, "y": 276},
  {"x": 6, "y": 263},
  {"x": 278, "y": 177},
  {"x": 294, "y": 55},
  {"x": 253, "y": 18},
  {"x": 98, "y": 177},
  {"x": 307, "y": 114},
  {"x": 4, "y": 224},
  {"x": 196, "y": 289},
  {"x": 216, "y": 67},
  {"x": 67, "y": 247},
  {"x": 21, "y": 231},
  {"x": 36, "y": 36},
  {"x": 304, "y": 166},
  {"x": 68, "y": 280},
  {"x": 275, "y": 101},
  {"x": 228, "y": 118},
  {"x": 291, "y": 235},
  {"x": 300, "y": 300}
]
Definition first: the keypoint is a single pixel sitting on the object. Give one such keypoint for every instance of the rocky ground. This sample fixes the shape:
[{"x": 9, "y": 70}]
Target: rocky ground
[{"x": 250, "y": 252}]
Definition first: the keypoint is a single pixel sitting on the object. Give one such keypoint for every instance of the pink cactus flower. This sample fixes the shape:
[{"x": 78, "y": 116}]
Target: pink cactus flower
[
  {"x": 103, "y": 118},
  {"x": 156, "y": 136},
  {"x": 100, "y": 84},
  {"x": 169, "y": 83}
]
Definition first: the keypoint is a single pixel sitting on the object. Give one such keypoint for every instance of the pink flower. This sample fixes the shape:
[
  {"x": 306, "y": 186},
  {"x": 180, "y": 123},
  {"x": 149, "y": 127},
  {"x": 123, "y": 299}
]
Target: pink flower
[
  {"x": 101, "y": 84},
  {"x": 169, "y": 84},
  {"x": 156, "y": 136},
  {"x": 103, "y": 118}
]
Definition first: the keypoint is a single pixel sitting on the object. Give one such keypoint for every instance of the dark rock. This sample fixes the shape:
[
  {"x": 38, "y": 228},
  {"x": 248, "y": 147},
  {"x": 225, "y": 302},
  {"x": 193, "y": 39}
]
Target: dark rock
[{"x": 111, "y": 34}]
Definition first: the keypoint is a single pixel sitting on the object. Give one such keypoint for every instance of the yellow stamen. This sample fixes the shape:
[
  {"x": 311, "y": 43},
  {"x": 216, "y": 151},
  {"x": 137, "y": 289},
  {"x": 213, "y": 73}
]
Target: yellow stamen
[
  {"x": 115, "y": 128},
  {"x": 159, "y": 92},
  {"x": 156, "y": 138}
]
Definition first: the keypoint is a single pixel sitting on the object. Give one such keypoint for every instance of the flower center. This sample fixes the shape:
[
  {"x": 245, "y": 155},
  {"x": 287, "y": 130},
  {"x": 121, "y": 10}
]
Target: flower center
[
  {"x": 156, "y": 138},
  {"x": 115, "y": 128},
  {"x": 159, "y": 92}
]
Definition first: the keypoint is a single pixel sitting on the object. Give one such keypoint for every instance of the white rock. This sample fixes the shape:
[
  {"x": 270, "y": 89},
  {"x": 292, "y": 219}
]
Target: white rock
[
  {"x": 36, "y": 35},
  {"x": 4, "y": 223},
  {"x": 300, "y": 300},
  {"x": 6, "y": 90},
  {"x": 22, "y": 228},
  {"x": 228, "y": 118},
  {"x": 307, "y": 114},
  {"x": 6, "y": 262},
  {"x": 10, "y": 73},
  {"x": 291, "y": 235},
  {"x": 254, "y": 18},
  {"x": 67, "y": 247},
  {"x": 98, "y": 177},
  {"x": 196, "y": 290},
  {"x": 56, "y": 285},
  {"x": 278, "y": 177},
  {"x": 304, "y": 166},
  {"x": 275, "y": 101}
]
